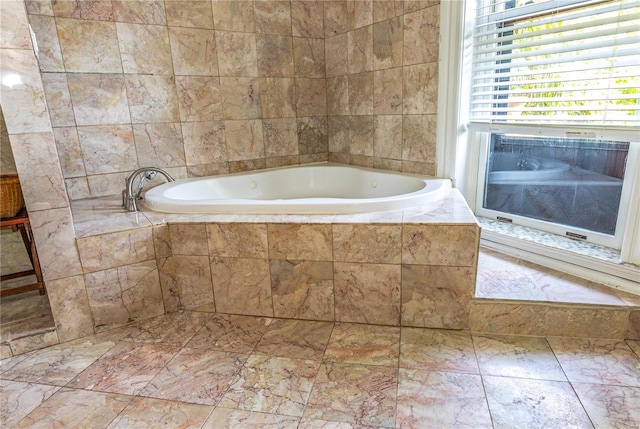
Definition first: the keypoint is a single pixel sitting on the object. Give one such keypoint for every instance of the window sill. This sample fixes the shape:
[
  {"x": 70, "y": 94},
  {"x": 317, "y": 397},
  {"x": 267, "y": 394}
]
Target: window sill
[{"x": 586, "y": 260}]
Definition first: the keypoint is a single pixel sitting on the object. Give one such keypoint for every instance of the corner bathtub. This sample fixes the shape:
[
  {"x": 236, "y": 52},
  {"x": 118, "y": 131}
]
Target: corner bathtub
[{"x": 311, "y": 188}]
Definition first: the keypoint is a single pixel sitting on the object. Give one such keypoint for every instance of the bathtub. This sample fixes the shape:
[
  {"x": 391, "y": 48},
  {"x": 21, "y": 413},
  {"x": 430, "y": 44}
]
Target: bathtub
[
  {"x": 311, "y": 188},
  {"x": 508, "y": 166}
]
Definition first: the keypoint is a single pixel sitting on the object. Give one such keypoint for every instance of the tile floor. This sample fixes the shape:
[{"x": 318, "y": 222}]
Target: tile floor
[{"x": 204, "y": 370}]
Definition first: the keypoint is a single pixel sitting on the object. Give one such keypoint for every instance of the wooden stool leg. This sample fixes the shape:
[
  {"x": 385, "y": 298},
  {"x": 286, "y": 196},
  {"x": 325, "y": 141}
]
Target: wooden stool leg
[{"x": 27, "y": 239}]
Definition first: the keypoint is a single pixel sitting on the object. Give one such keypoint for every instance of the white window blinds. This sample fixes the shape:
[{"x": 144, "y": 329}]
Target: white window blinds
[{"x": 557, "y": 62}]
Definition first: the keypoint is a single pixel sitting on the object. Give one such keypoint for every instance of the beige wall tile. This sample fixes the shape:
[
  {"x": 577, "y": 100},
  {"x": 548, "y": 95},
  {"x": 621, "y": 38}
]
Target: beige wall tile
[
  {"x": 360, "y": 50},
  {"x": 13, "y": 35},
  {"x": 385, "y": 9},
  {"x": 307, "y": 18},
  {"x": 125, "y": 294},
  {"x": 49, "y": 53},
  {"x": 300, "y": 242},
  {"x": 387, "y": 92},
  {"x": 159, "y": 145},
  {"x": 513, "y": 319},
  {"x": 241, "y": 97},
  {"x": 40, "y": 176},
  {"x": 70, "y": 304},
  {"x": 99, "y": 10},
  {"x": 100, "y": 252},
  {"x": 189, "y": 14},
  {"x": 302, "y": 289},
  {"x": 335, "y": 17},
  {"x": 361, "y": 135},
  {"x": 193, "y": 51},
  {"x": 69, "y": 151},
  {"x": 147, "y": 12},
  {"x": 273, "y": 17},
  {"x": 419, "y": 138},
  {"x": 188, "y": 239},
  {"x": 204, "y": 142},
  {"x": 421, "y": 36},
  {"x": 420, "y": 89},
  {"x": 89, "y": 46},
  {"x": 280, "y": 137},
  {"x": 245, "y": 140},
  {"x": 440, "y": 245},
  {"x": 312, "y": 135},
  {"x": 199, "y": 98},
  {"x": 152, "y": 98},
  {"x": 336, "y": 56},
  {"x": 237, "y": 53},
  {"x": 388, "y": 44},
  {"x": 277, "y": 97},
  {"x": 242, "y": 286},
  {"x": 363, "y": 243},
  {"x": 58, "y": 99},
  {"x": 308, "y": 57},
  {"x": 99, "y": 99},
  {"x": 338, "y": 131},
  {"x": 275, "y": 55},
  {"x": 338, "y": 95},
  {"x": 237, "y": 240},
  {"x": 361, "y": 94},
  {"x": 169, "y": 286},
  {"x": 162, "y": 241},
  {"x": 28, "y": 112},
  {"x": 193, "y": 275},
  {"x": 77, "y": 188},
  {"x": 311, "y": 97},
  {"x": 108, "y": 148},
  {"x": 436, "y": 297},
  {"x": 144, "y": 49},
  {"x": 586, "y": 322},
  {"x": 39, "y": 7},
  {"x": 234, "y": 16},
  {"x": 633, "y": 327},
  {"x": 359, "y": 13},
  {"x": 387, "y": 136},
  {"x": 55, "y": 243},
  {"x": 367, "y": 293}
]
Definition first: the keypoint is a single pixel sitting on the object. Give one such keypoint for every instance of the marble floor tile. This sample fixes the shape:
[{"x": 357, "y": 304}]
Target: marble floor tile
[
  {"x": 17, "y": 399},
  {"x": 58, "y": 364},
  {"x": 75, "y": 408},
  {"x": 356, "y": 394},
  {"x": 526, "y": 403},
  {"x": 230, "y": 333},
  {"x": 610, "y": 406},
  {"x": 227, "y": 418},
  {"x": 437, "y": 350},
  {"x": 146, "y": 413},
  {"x": 597, "y": 361},
  {"x": 196, "y": 376},
  {"x": 301, "y": 339},
  {"x": 174, "y": 329},
  {"x": 273, "y": 385},
  {"x": 364, "y": 344},
  {"x": 515, "y": 356},
  {"x": 441, "y": 399},
  {"x": 127, "y": 368}
]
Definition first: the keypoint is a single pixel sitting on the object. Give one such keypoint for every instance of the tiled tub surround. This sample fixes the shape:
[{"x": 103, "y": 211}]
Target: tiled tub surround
[
  {"x": 412, "y": 267},
  {"x": 209, "y": 87}
]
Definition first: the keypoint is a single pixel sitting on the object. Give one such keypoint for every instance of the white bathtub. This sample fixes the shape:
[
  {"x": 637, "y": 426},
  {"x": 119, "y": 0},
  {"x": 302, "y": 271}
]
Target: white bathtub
[{"x": 311, "y": 188}]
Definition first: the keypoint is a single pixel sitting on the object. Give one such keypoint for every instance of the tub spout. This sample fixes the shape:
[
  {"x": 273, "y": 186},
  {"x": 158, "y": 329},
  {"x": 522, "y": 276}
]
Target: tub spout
[{"x": 129, "y": 197}]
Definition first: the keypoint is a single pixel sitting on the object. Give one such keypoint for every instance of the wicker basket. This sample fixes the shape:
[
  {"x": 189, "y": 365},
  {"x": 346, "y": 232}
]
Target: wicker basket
[{"x": 11, "y": 200}]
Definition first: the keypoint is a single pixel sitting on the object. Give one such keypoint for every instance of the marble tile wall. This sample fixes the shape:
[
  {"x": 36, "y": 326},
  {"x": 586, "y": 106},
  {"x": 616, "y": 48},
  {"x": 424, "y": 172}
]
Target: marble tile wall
[
  {"x": 195, "y": 87},
  {"x": 302, "y": 271},
  {"x": 382, "y": 89},
  {"x": 32, "y": 140},
  {"x": 202, "y": 88}
]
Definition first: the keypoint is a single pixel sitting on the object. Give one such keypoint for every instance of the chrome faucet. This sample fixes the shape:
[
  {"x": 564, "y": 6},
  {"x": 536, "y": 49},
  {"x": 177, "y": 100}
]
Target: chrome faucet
[{"x": 129, "y": 197}]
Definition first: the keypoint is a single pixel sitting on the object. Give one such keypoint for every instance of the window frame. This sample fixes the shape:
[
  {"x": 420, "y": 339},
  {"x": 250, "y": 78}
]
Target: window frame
[{"x": 458, "y": 148}]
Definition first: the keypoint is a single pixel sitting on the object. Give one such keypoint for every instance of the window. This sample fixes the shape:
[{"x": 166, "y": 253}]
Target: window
[{"x": 555, "y": 103}]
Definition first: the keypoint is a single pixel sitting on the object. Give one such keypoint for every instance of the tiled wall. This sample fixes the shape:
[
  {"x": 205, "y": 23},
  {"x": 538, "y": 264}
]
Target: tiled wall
[
  {"x": 32, "y": 140},
  {"x": 209, "y": 87},
  {"x": 409, "y": 274},
  {"x": 382, "y": 83}
]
